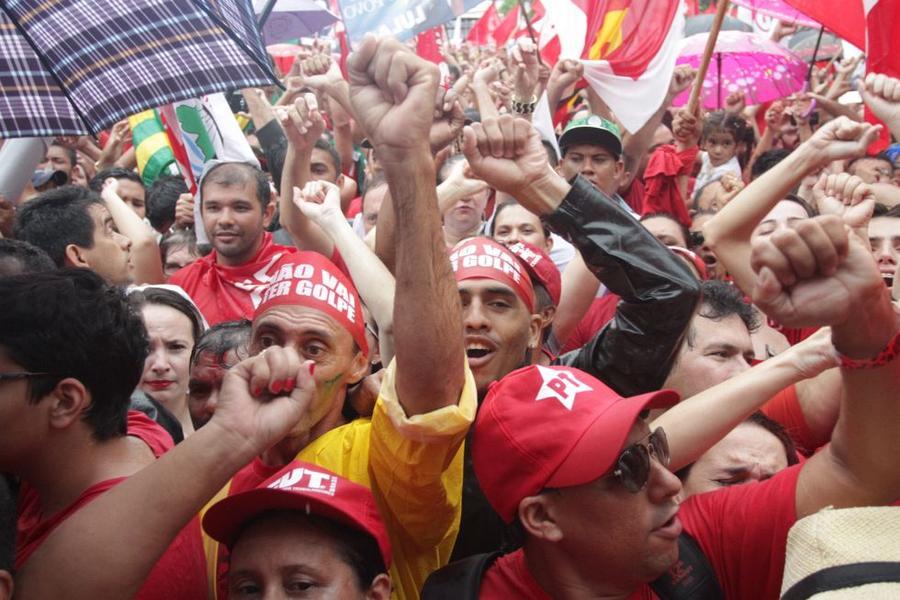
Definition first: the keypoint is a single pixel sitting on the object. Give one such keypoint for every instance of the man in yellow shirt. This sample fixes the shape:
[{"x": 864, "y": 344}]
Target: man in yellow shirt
[{"x": 410, "y": 452}]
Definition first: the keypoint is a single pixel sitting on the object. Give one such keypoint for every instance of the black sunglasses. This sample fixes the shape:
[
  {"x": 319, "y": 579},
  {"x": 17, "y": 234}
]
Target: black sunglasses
[{"x": 632, "y": 468}]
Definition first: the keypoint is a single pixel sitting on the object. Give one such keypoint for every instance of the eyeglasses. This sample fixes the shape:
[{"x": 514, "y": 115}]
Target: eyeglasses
[
  {"x": 21, "y": 375},
  {"x": 632, "y": 468}
]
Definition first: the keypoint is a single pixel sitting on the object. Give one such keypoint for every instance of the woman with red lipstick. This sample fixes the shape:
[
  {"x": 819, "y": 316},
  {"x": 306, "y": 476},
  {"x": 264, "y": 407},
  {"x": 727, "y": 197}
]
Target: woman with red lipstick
[{"x": 173, "y": 325}]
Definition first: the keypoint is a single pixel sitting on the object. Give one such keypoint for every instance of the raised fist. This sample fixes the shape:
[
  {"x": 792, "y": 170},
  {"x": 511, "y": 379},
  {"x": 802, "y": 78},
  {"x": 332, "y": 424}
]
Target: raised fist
[{"x": 393, "y": 93}]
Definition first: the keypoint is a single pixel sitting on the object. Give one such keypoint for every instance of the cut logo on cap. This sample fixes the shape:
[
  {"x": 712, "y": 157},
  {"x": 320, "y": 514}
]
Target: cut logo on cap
[
  {"x": 561, "y": 386},
  {"x": 305, "y": 480}
]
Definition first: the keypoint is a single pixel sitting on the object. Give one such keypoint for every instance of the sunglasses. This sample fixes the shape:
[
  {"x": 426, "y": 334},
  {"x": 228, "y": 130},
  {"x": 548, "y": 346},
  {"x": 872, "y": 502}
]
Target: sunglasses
[{"x": 632, "y": 468}]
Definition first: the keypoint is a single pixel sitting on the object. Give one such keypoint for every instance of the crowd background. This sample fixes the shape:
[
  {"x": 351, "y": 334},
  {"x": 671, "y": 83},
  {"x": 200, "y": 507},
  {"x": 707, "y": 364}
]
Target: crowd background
[{"x": 267, "y": 385}]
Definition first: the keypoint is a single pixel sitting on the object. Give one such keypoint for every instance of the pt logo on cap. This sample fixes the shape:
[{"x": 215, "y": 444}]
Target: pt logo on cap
[
  {"x": 561, "y": 386},
  {"x": 301, "y": 479}
]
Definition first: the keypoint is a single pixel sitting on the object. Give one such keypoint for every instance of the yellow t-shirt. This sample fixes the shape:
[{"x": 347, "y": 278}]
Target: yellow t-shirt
[{"x": 414, "y": 467}]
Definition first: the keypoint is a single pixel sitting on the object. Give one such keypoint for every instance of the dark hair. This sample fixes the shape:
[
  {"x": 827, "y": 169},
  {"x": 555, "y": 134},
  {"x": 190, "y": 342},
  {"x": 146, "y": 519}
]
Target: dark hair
[
  {"x": 335, "y": 157},
  {"x": 70, "y": 152},
  {"x": 552, "y": 156},
  {"x": 721, "y": 120},
  {"x": 371, "y": 184},
  {"x": 163, "y": 297},
  {"x": 721, "y": 300},
  {"x": 882, "y": 210},
  {"x": 70, "y": 323},
  {"x": 356, "y": 548},
  {"x": 18, "y": 257},
  {"x": 767, "y": 160},
  {"x": 542, "y": 300},
  {"x": 238, "y": 174},
  {"x": 57, "y": 218},
  {"x": 8, "y": 493},
  {"x": 504, "y": 205},
  {"x": 224, "y": 337},
  {"x": 161, "y": 199},
  {"x": 770, "y": 425},
  {"x": 809, "y": 208},
  {"x": 96, "y": 183},
  {"x": 685, "y": 233}
]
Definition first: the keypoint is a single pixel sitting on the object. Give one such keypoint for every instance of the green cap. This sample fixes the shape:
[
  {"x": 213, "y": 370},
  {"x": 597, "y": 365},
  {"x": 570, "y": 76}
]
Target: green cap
[{"x": 592, "y": 129}]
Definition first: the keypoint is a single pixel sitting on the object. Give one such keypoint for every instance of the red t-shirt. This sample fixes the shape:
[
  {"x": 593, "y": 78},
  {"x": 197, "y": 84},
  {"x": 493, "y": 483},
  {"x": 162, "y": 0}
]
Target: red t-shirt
[
  {"x": 229, "y": 293},
  {"x": 600, "y": 312},
  {"x": 741, "y": 529},
  {"x": 784, "y": 407},
  {"x": 180, "y": 572}
]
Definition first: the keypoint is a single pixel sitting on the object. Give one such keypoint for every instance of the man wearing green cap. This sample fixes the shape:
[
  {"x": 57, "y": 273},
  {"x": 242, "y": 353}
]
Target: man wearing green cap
[{"x": 591, "y": 146}]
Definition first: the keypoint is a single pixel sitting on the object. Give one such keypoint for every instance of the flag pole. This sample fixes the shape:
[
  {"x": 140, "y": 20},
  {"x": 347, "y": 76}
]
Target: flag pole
[
  {"x": 537, "y": 50},
  {"x": 707, "y": 56},
  {"x": 812, "y": 63}
]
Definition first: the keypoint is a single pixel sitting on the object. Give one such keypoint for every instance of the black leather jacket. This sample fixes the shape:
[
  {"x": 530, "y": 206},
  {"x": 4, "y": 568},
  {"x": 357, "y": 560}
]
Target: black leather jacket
[{"x": 634, "y": 352}]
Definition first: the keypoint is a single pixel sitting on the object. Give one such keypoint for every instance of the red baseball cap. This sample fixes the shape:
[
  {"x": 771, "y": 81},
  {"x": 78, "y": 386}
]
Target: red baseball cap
[
  {"x": 541, "y": 268},
  {"x": 692, "y": 258},
  {"x": 557, "y": 427},
  {"x": 303, "y": 487}
]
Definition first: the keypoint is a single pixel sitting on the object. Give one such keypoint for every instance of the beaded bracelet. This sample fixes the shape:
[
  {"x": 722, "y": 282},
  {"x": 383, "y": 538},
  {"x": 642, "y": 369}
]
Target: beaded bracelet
[{"x": 884, "y": 357}]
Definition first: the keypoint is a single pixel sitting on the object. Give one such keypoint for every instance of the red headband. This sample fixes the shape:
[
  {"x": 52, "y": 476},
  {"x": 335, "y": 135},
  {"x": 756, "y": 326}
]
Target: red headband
[
  {"x": 310, "y": 279},
  {"x": 483, "y": 258}
]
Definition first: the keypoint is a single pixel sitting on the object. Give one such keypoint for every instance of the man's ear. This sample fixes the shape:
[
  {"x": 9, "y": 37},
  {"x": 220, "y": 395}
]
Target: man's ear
[
  {"x": 68, "y": 401},
  {"x": 269, "y": 210},
  {"x": 534, "y": 331},
  {"x": 74, "y": 257},
  {"x": 6, "y": 585},
  {"x": 380, "y": 588},
  {"x": 537, "y": 517},
  {"x": 359, "y": 367},
  {"x": 547, "y": 315}
]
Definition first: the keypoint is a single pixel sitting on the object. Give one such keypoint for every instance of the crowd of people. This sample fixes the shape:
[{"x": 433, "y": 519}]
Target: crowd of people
[{"x": 429, "y": 352}]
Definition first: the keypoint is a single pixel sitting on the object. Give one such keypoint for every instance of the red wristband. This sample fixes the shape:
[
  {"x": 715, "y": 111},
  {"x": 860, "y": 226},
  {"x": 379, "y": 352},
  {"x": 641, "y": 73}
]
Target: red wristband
[{"x": 884, "y": 357}]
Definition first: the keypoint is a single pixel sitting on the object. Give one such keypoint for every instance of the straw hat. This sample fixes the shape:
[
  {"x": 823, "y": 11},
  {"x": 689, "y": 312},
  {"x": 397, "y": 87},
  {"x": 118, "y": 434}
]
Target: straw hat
[{"x": 839, "y": 550}]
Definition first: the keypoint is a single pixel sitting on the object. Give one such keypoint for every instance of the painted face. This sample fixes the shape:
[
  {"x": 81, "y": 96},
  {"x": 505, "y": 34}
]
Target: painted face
[
  {"x": 631, "y": 538},
  {"x": 595, "y": 163},
  {"x": 282, "y": 556},
  {"x": 748, "y": 453},
  {"x": 207, "y": 372},
  {"x": 317, "y": 337},
  {"x": 167, "y": 367},
  {"x": 234, "y": 220},
  {"x": 110, "y": 256},
  {"x": 515, "y": 223},
  {"x": 498, "y": 328},
  {"x": 712, "y": 352}
]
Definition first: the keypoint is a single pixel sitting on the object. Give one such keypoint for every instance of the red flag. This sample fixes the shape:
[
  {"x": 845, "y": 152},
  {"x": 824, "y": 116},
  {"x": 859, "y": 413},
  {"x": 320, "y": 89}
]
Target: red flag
[
  {"x": 536, "y": 18},
  {"x": 882, "y": 31},
  {"x": 629, "y": 52},
  {"x": 480, "y": 33},
  {"x": 428, "y": 44},
  {"x": 846, "y": 18},
  {"x": 506, "y": 27},
  {"x": 340, "y": 32}
]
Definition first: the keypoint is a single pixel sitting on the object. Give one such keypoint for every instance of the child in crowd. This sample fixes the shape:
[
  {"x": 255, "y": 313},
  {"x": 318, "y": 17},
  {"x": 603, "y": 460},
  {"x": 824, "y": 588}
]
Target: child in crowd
[{"x": 721, "y": 133}]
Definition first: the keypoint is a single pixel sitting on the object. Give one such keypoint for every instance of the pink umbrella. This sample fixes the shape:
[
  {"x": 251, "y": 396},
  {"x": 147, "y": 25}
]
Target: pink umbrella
[
  {"x": 743, "y": 62},
  {"x": 779, "y": 9}
]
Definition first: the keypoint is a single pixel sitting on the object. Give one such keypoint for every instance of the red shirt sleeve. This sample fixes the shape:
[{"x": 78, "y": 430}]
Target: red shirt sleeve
[
  {"x": 150, "y": 432},
  {"x": 784, "y": 407},
  {"x": 743, "y": 532}
]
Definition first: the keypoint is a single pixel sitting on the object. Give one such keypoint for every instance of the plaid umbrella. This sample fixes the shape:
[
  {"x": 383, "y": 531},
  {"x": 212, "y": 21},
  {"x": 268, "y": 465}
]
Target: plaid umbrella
[{"x": 73, "y": 66}]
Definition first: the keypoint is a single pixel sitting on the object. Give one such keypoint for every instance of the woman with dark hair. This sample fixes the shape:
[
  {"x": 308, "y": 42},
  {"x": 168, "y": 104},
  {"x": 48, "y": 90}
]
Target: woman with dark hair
[{"x": 173, "y": 326}]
